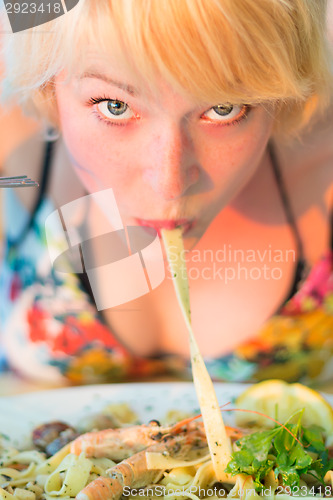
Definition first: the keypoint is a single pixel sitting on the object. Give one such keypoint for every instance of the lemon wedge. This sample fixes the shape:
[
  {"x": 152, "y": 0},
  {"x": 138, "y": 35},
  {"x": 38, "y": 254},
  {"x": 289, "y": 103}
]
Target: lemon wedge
[{"x": 280, "y": 400}]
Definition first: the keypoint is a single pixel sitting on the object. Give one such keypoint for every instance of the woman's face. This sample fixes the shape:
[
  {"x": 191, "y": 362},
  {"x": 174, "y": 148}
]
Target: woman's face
[{"x": 170, "y": 160}]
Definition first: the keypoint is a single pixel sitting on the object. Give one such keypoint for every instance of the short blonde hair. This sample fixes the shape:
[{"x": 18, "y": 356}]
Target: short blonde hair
[{"x": 217, "y": 51}]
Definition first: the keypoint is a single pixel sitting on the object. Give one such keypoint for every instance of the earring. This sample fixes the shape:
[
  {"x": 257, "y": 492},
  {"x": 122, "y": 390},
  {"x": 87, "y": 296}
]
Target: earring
[{"x": 51, "y": 134}]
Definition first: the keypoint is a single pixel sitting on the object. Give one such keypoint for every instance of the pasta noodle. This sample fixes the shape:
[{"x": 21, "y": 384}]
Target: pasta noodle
[
  {"x": 63, "y": 475},
  {"x": 218, "y": 441}
]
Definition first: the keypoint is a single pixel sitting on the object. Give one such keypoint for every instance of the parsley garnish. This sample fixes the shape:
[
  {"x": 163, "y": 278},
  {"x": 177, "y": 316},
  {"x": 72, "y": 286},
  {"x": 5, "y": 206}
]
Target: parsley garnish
[{"x": 276, "y": 449}]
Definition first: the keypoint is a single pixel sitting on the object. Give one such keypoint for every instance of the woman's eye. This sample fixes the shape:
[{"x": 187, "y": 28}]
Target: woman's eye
[
  {"x": 226, "y": 113},
  {"x": 115, "y": 110}
]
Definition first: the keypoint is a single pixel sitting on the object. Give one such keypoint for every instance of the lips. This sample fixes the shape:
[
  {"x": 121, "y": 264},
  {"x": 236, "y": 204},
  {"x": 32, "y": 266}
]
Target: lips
[{"x": 185, "y": 224}]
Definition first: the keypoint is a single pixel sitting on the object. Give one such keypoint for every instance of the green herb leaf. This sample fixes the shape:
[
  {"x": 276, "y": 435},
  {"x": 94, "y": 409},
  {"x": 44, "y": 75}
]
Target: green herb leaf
[
  {"x": 258, "y": 443},
  {"x": 284, "y": 452},
  {"x": 289, "y": 475},
  {"x": 313, "y": 438}
]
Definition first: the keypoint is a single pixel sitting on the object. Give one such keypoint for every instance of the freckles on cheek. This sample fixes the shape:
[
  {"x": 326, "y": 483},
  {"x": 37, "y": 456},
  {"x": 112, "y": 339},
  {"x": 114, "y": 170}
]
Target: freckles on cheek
[
  {"x": 94, "y": 152},
  {"x": 89, "y": 145},
  {"x": 243, "y": 147},
  {"x": 224, "y": 155}
]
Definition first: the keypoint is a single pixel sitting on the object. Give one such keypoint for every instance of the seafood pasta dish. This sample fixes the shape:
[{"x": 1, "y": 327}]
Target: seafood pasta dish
[
  {"x": 284, "y": 451},
  {"x": 152, "y": 460}
]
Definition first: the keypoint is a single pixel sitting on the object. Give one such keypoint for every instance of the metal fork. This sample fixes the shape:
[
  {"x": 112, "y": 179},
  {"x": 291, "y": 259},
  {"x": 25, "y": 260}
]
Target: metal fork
[{"x": 17, "y": 181}]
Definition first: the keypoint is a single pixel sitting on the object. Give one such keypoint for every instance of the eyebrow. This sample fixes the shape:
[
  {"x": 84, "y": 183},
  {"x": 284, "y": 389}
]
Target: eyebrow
[{"x": 99, "y": 76}]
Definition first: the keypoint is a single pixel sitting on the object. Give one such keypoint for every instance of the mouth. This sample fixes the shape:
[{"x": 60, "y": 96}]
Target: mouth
[{"x": 185, "y": 224}]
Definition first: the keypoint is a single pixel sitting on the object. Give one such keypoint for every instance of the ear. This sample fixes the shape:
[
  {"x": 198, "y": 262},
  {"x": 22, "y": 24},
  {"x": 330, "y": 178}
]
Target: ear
[{"x": 43, "y": 105}]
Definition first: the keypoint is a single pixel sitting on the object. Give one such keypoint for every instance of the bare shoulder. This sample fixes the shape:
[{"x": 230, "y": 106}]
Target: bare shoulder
[
  {"x": 20, "y": 150},
  {"x": 307, "y": 164},
  {"x": 15, "y": 130}
]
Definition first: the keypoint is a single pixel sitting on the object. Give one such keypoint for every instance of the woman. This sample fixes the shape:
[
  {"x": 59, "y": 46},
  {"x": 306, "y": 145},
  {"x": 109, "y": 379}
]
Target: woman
[{"x": 211, "y": 115}]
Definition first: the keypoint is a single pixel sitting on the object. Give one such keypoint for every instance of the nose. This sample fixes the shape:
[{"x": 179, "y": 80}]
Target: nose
[{"x": 172, "y": 168}]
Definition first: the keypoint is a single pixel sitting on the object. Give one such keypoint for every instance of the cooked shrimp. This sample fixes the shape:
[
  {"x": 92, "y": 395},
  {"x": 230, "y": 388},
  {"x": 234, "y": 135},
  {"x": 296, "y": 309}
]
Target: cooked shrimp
[
  {"x": 133, "y": 472},
  {"x": 119, "y": 444}
]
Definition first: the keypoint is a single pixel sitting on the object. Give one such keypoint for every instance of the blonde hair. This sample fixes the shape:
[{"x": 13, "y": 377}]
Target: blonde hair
[{"x": 217, "y": 51}]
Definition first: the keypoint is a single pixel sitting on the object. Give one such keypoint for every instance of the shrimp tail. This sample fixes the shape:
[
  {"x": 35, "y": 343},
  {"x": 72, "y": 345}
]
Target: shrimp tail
[
  {"x": 130, "y": 473},
  {"x": 133, "y": 472}
]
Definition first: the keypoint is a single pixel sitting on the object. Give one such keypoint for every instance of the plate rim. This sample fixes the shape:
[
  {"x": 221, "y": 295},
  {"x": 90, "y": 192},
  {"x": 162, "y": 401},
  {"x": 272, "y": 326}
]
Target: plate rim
[
  {"x": 106, "y": 387},
  {"x": 149, "y": 406}
]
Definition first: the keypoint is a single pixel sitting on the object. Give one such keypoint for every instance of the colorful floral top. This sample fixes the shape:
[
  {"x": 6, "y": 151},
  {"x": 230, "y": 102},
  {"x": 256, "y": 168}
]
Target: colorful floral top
[{"x": 53, "y": 332}]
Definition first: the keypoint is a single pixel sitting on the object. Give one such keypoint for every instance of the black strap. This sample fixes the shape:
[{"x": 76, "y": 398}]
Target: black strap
[
  {"x": 83, "y": 278},
  {"x": 285, "y": 199},
  {"x": 301, "y": 262},
  {"x": 46, "y": 170}
]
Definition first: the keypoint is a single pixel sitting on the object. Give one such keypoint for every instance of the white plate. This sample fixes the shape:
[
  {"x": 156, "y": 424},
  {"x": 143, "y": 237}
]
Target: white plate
[{"x": 20, "y": 414}]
